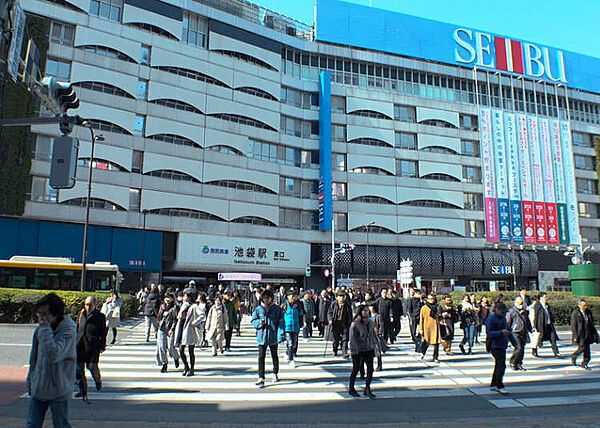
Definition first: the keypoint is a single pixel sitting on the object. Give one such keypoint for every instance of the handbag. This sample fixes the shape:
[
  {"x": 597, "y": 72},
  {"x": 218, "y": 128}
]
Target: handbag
[{"x": 534, "y": 338}]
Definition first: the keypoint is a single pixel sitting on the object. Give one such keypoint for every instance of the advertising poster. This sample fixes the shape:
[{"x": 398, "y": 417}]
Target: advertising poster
[
  {"x": 570, "y": 185},
  {"x": 501, "y": 175},
  {"x": 539, "y": 206},
  {"x": 514, "y": 190},
  {"x": 548, "y": 179},
  {"x": 559, "y": 183},
  {"x": 526, "y": 183},
  {"x": 488, "y": 172}
]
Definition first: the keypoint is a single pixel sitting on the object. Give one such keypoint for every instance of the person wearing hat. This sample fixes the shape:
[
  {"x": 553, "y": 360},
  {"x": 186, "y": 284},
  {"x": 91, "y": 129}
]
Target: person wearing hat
[
  {"x": 498, "y": 336},
  {"x": 340, "y": 318}
]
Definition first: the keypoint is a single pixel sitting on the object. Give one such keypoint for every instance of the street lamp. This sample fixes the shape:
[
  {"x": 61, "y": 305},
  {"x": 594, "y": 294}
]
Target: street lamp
[
  {"x": 366, "y": 226},
  {"x": 87, "y": 204},
  {"x": 144, "y": 212}
]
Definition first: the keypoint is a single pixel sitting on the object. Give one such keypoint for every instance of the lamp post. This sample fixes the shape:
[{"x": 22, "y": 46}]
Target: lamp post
[
  {"x": 87, "y": 205},
  {"x": 366, "y": 226},
  {"x": 144, "y": 212}
]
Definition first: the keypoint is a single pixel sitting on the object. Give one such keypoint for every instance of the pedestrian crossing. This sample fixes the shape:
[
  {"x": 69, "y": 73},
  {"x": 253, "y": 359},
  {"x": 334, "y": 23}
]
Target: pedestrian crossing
[{"x": 130, "y": 373}]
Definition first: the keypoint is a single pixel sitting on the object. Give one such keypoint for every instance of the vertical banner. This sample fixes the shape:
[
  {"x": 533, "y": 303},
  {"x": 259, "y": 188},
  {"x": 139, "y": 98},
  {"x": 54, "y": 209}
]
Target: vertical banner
[
  {"x": 514, "y": 191},
  {"x": 325, "y": 179},
  {"x": 501, "y": 176},
  {"x": 537, "y": 181},
  {"x": 570, "y": 185},
  {"x": 489, "y": 188},
  {"x": 559, "y": 183},
  {"x": 526, "y": 183},
  {"x": 548, "y": 178}
]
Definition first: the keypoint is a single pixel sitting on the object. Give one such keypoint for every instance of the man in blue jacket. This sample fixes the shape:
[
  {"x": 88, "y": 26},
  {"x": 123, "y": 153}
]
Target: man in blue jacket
[
  {"x": 268, "y": 321},
  {"x": 498, "y": 336}
]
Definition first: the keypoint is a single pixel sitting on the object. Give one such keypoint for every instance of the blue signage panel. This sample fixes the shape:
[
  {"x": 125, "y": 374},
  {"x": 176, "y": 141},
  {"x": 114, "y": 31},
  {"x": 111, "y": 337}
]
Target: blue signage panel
[
  {"x": 376, "y": 29},
  {"x": 325, "y": 182}
]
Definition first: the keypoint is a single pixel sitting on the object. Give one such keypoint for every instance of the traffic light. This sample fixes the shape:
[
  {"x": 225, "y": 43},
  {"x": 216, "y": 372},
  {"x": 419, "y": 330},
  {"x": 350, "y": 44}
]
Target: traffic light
[
  {"x": 63, "y": 168},
  {"x": 308, "y": 271},
  {"x": 406, "y": 272},
  {"x": 60, "y": 97}
]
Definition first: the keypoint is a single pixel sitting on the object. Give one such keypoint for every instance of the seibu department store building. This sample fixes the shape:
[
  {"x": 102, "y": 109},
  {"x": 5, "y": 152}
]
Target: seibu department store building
[{"x": 225, "y": 125}]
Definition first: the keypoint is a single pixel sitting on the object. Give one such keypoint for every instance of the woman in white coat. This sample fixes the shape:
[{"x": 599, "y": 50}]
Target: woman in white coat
[
  {"x": 216, "y": 324},
  {"x": 201, "y": 314},
  {"x": 185, "y": 333},
  {"x": 112, "y": 311}
]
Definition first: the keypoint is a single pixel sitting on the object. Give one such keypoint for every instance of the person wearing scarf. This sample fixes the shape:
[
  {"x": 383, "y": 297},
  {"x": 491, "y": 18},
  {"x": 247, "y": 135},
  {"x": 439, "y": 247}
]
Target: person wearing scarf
[{"x": 429, "y": 327}]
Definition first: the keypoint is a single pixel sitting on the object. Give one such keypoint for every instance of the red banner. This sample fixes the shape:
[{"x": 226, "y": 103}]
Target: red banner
[
  {"x": 540, "y": 222},
  {"x": 528, "y": 222},
  {"x": 552, "y": 221}
]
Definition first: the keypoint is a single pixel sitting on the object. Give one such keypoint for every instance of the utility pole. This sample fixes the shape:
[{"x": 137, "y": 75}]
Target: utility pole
[{"x": 332, "y": 253}]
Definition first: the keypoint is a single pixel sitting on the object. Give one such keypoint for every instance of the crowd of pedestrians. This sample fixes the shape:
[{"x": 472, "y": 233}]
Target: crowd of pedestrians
[{"x": 359, "y": 326}]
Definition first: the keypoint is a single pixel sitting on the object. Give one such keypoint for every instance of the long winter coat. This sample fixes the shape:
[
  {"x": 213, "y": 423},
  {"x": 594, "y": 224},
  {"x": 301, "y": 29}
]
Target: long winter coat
[
  {"x": 583, "y": 331},
  {"x": 216, "y": 323},
  {"x": 187, "y": 320},
  {"x": 447, "y": 322},
  {"x": 362, "y": 337},
  {"x": 91, "y": 336},
  {"x": 152, "y": 304},
  {"x": 430, "y": 324},
  {"x": 112, "y": 311},
  {"x": 323, "y": 308},
  {"x": 541, "y": 320}
]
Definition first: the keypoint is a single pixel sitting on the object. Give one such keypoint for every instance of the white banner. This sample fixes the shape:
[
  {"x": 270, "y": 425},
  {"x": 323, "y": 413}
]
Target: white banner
[
  {"x": 570, "y": 184},
  {"x": 512, "y": 148},
  {"x": 487, "y": 153},
  {"x": 557, "y": 156},
  {"x": 499, "y": 154},
  {"x": 524, "y": 159},
  {"x": 536, "y": 160},
  {"x": 548, "y": 174}
]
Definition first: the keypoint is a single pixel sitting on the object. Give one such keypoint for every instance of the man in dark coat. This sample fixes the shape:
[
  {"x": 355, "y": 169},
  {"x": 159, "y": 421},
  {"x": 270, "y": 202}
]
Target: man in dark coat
[
  {"x": 339, "y": 317},
  {"x": 323, "y": 303},
  {"x": 397, "y": 312},
  {"x": 151, "y": 308},
  {"x": 525, "y": 297},
  {"x": 91, "y": 341},
  {"x": 385, "y": 310},
  {"x": 584, "y": 333},
  {"x": 413, "y": 310},
  {"x": 544, "y": 324}
]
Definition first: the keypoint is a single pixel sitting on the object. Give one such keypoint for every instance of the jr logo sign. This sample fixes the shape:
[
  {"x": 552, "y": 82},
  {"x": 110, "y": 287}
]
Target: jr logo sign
[{"x": 495, "y": 52}]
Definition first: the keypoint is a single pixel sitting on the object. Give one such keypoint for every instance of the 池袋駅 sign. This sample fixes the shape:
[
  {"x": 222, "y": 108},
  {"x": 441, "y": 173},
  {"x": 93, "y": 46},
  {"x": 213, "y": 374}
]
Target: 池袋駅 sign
[{"x": 499, "y": 53}]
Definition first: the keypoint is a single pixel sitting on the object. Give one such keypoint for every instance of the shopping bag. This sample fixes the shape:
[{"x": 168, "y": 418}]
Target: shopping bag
[{"x": 534, "y": 338}]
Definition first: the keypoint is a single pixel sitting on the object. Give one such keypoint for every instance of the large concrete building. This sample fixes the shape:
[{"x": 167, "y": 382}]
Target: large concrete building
[{"x": 215, "y": 143}]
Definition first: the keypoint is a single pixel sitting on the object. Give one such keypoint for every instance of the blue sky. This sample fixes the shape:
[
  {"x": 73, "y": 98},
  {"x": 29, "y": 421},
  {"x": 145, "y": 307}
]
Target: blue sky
[{"x": 571, "y": 25}]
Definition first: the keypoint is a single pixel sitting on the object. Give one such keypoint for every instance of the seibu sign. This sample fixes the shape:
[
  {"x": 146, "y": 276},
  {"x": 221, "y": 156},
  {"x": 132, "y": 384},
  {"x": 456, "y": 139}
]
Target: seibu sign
[{"x": 499, "y": 53}]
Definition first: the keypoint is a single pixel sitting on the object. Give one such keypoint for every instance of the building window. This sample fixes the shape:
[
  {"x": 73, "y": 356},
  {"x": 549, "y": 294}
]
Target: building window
[
  {"x": 41, "y": 190},
  {"x": 107, "y": 9},
  {"x": 145, "y": 53},
  {"x": 371, "y": 170},
  {"x": 137, "y": 161},
  {"x": 339, "y": 191},
  {"x": 405, "y": 140},
  {"x": 474, "y": 229},
  {"x": 404, "y": 113},
  {"x": 439, "y": 149},
  {"x": 468, "y": 122},
  {"x": 588, "y": 210},
  {"x": 338, "y": 161},
  {"x": 42, "y": 149},
  {"x": 225, "y": 150},
  {"x": 134, "y": 199},
  {"x": 406, "y": 168},
  {"x": 63, "y": 34},
  {"x": 338, "y": 104},
  {"x": 195, "y": 29},
  {"x": 282, "y": 155},
  {"x": 338, "y": 132},
  {"x": 473, "y": 201},
  {"x": 241, "y": 185},
  {"x": 295, "y": 97},
  {"x": 100, "y": 164},
  {"x": 59, "y": 69},
  {"x": 589, "y": 234},
  {"x": 142, "y": 89},
  {"x": 290, "y": 218},
  {"x": 104, "y": 88},
  {"x": 340, "y": 221},
  {"x": 585, "y": 162},
  {"x": 299, "y": 127},
  {"x": 582, "y": 140},
  {"x": 471, "y": 174},
  {"x": 139, "y": 126},
  {"x": 175, "y": 139},
  {"x": 589, "y": 187},
  {"x": 470, "y": 148}
]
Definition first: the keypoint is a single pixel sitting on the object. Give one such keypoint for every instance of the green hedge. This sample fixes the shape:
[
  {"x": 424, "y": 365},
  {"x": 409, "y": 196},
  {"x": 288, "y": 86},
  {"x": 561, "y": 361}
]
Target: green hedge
[
  {"x": 562, "y": 303},
  {"x": 17, "y": 305}
]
